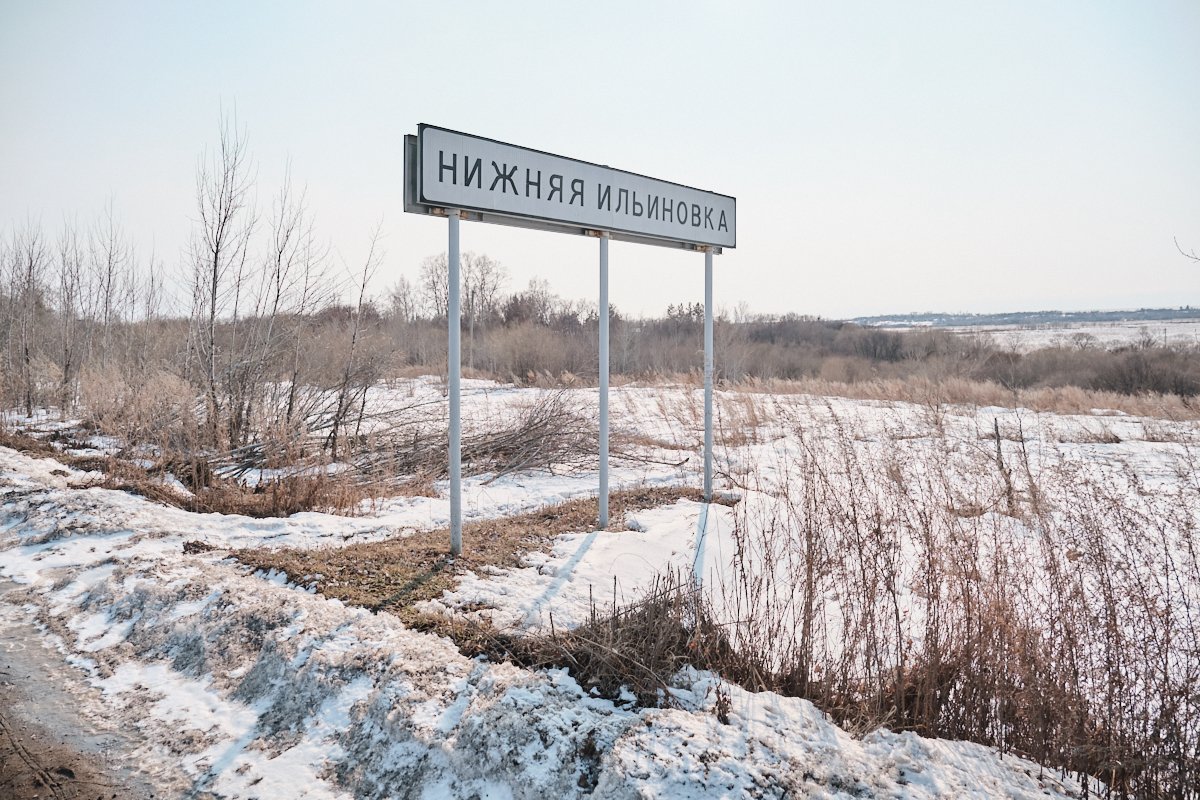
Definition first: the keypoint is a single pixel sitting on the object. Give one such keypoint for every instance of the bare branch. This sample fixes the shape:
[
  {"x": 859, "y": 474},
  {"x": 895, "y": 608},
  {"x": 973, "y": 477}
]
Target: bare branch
[{"x": 1186, "y": 254}]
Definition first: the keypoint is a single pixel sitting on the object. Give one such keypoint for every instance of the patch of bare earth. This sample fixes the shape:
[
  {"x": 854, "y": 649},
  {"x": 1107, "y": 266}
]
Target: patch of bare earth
[
  {"x": 34, "y": 765},
  {"x": 49, "y": 748}
]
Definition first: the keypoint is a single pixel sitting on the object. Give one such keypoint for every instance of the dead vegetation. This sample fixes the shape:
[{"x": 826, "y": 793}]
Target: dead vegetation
[
  {"x": 551, "y": 432},
  {"x": 31, "y": 445},
  {"x": 982, "y": 587},
  {"x": 981, "y": 593},
  {"x": 403, "y": 458},
  {"x": 628, "y": 654},
  {"x": 1037, "y": 607},
  {"x": 204, "y": 491},
  {"x": 954, "y": 390}
]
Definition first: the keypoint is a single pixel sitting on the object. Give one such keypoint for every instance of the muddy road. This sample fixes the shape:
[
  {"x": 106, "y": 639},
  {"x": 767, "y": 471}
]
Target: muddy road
[{"x": 54, "y": 742}]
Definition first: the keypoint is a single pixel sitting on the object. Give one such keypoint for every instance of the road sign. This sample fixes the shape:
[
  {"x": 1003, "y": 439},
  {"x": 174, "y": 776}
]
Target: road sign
[
  {"x": 511, "y": 185},
  {"x": 460, "y": 176}
]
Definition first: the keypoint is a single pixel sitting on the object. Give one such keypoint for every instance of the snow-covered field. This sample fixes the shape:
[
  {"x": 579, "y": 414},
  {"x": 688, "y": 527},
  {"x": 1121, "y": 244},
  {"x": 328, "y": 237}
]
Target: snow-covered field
[
  {"x": 1114, "y": 334},
  {"x": 242, "y": 684}
]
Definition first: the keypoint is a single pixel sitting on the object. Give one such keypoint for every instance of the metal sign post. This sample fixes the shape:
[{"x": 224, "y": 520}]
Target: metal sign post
[
  {"x": 454, "y": 379},
  {"x": 461, "y": 176},
  {"x": 603, "y": 381},
  {"x": 708, "y": 374}
]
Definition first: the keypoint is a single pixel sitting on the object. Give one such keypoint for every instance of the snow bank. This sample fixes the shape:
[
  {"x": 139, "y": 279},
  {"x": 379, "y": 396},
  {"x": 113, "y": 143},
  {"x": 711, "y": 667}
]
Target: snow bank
[{"x": 261, "y": 689}]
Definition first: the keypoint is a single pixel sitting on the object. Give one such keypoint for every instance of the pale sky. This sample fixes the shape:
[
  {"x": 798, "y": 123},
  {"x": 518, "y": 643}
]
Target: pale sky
[{"x": 886, "y": 157}]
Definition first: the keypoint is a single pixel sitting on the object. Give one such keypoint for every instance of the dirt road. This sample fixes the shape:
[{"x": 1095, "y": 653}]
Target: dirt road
[{"x": 49, "y": 745}]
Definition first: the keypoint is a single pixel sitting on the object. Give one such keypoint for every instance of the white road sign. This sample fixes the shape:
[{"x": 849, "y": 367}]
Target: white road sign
[{"x": 515, "y": 185}]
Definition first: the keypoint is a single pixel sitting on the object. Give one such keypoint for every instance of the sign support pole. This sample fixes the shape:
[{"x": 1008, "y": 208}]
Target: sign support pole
[
  {"x": 708, "y": 374},
  {"x": 454, "y": 378},
  {"x": 603, "y": 381}
]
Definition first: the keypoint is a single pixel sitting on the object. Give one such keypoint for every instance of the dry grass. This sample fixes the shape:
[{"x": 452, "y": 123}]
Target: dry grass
[
  {"x": 396, "y": 573},
  {"x": 1061, "y": 400},
  {"x": 1062, "y": 625},
  {"x": 635, "y": 649},
  {"x": 741, "y": 418},
  {"x": 277, "y": 498},
  {"x": 30, "y": 445},
  {"x": 209, "y": 494},
  {"x": 633, "y": 439}
]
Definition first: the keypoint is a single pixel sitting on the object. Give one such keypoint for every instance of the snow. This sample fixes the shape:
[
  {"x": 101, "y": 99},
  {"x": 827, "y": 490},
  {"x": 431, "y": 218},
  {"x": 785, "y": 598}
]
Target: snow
[
  {"x": 1106, "y": 335},
  {"x": 608, "y": 567},
  {"x": 261, "y": 688}
]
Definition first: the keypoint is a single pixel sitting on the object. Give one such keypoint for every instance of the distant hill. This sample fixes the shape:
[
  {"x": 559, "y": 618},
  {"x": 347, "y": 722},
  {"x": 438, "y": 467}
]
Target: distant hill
[{"x": 1027, "y": 318}]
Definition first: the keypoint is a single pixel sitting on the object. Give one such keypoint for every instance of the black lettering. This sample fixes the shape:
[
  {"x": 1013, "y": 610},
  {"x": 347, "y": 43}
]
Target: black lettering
[
  {"x": 555, "y": 187},
  {"x": 442, "y": 167},
  {"x": 504, "y": 177},
  {"x": 530, "y": 182},
  {"x": 475, "y": 172},
  {"x": 576, "y": 191},
  {"x": 603, "y": 197}
]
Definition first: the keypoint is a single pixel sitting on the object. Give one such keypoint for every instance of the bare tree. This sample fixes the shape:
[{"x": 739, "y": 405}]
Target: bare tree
[
  {"x": 482, "y": 281},
  {"x": 345, "y": 393},
  {"x": 111, "y": 263},
  {"x": 146, "y": 303},
  {"x": 293, "y": 285},
  {"x": 252, "y": 354},
  {"x": 483, "y": 278},
  {"x": 435, "y": 285},
  {"x": 28, "y": 265},
  {"x": 71, "y": 299},
  {"x": 152, "y": 289},
  {"x": 315, "y": 291},
  {"x": 402, "y": 301},
  {"x": 219, "y": 251},
  {"x": 8, "y": 306}
]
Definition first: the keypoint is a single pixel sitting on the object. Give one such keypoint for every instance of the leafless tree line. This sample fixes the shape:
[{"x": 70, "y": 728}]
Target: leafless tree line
[
  {"x": 84, "y": 326},
  {"x": 65, "y": 304}
]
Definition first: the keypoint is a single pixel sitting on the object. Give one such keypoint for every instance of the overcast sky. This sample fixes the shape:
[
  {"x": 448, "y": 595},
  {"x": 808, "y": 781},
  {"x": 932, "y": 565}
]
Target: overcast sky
[{"x": 886, "y": 157}]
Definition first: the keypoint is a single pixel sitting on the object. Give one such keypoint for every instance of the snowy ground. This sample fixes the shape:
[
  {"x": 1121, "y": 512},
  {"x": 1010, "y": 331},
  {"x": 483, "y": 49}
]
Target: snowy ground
[
  {"x": 1146, "y": 464},
  {"x": 1115, "y": 334},
  {"x": 242, "y": 685}
]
